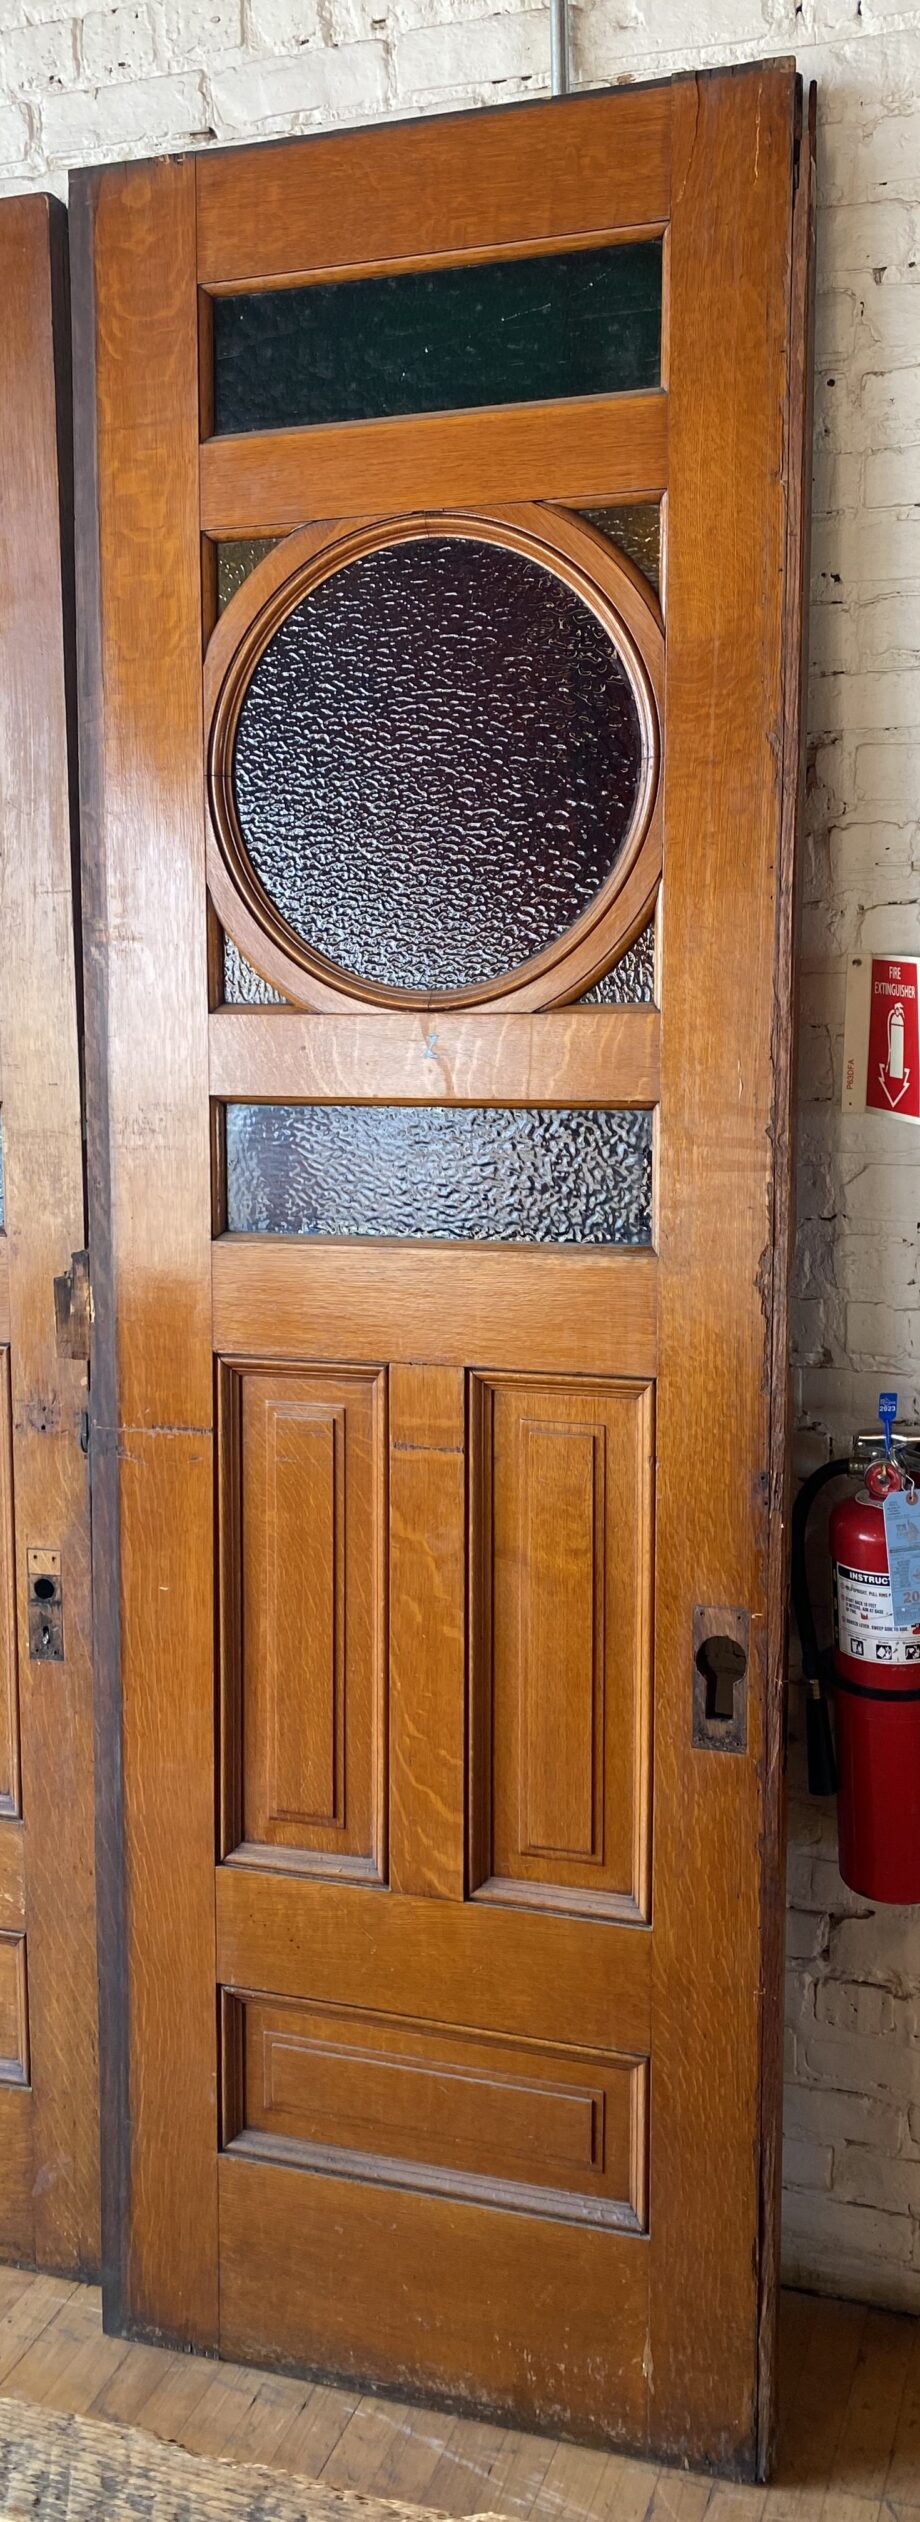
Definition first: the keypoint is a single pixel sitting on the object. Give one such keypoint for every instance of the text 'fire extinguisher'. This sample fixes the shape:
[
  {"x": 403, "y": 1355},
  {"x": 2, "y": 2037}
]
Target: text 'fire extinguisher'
[{"x": 872, "y": 1758}]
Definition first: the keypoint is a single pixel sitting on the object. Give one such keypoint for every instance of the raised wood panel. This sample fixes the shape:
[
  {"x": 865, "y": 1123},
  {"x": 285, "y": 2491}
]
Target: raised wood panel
[
  {"x": 432, "y": 190},
  {"x": 577, "y": 454},
  {"x": 539, "y": 2130},
  {"x": 14, "y": 2012},
  {"x": 9, "y": 1652},
  {"x": 303, "y": 1543},
  {"x": 477, "y": 1965},
  {"x": 307, "y": 2278},
  {"x": 464, "y": 1304},
  {"x": 569, "y": 1056},
  {"x": 561, "y": 1479}
]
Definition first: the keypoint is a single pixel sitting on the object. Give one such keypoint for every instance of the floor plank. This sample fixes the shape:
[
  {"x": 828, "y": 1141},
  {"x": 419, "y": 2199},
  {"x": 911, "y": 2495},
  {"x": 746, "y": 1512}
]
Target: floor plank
[{"x": 849, "y": 2424}]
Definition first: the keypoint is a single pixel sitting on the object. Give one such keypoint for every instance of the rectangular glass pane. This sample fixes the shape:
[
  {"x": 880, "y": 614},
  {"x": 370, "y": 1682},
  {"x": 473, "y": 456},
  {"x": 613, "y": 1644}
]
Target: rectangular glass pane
[
  {"x": 523, "y": 331},
  {"x": 477, "y": 1175}
]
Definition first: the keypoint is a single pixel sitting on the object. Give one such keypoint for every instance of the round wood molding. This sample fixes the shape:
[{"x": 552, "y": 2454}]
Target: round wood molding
[{"x": 616, "y": 592}]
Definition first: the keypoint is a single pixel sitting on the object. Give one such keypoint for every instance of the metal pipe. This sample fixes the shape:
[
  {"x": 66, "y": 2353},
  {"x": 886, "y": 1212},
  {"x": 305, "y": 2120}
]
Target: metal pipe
[{"x": 559, "y": 47}]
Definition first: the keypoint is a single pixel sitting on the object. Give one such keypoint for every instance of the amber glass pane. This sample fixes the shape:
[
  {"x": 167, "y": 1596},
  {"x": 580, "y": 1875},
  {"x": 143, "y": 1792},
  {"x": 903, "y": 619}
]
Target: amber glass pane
[
  {"x": 437, "y": 763},
  {"x": 524, "y": 331},
  {"x": 636, "y": 530},
  {"x": 236, "y": 562},
  {"x": 480, "y": 1175},
  {"x": 631, "y": 981}
]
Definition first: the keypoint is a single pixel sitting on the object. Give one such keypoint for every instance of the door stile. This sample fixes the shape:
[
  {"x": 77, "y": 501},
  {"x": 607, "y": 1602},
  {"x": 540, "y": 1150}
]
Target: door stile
[
  {"x": 795, "y": 696},
  {"x": 146, "y": 989},
  {"x": 57, "y": 2224},
  {"x": 729, "y": 301}
]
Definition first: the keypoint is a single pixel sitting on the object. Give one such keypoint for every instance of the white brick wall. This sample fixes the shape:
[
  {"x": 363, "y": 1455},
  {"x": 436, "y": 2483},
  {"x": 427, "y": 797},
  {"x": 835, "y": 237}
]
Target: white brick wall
[{"x": 80, "y": 83}]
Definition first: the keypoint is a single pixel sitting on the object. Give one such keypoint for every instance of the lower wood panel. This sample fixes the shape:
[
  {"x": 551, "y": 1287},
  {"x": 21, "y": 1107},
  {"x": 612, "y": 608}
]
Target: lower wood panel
[
  {"x": 426, "y": 2296},
  {"x": 525, "y": 2126},
  {"x": 17, "y": 2225}
]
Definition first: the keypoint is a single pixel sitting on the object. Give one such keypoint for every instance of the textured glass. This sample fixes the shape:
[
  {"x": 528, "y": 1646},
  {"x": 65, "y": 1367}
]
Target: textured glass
[
  {"x": 631, "y": 981},
  {"x": 525, "y": 331},
  {"x": 437, "y": 763},
  {"x": 236, "y": 562},
  {"x": 242, "y": 986},
  {"x": 635, "y": 530},
  {"x": 440, "y": 1171}
]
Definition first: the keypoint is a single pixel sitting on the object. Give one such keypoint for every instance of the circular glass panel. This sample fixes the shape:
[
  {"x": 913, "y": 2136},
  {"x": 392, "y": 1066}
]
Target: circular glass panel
[{"x": 437, "y": 763}]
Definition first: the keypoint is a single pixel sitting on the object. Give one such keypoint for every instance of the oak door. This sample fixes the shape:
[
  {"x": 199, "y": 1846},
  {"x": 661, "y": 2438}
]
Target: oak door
[
  {"x": 49, "y": 2135},
  {"x": 440, "y": 500}
]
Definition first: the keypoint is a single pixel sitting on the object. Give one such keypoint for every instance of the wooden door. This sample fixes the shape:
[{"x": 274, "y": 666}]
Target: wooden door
[
  {"x": 49, "y": 2185},
  {"x": 440, "y": 497}
]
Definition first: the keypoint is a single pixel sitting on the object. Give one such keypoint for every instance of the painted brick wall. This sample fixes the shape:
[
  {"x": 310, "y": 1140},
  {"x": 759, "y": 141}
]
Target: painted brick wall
[{"x": 79, "y": 83}]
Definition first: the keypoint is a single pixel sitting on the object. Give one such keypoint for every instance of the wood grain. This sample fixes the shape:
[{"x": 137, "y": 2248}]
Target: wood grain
[
  {"x": 723, "y": 990},
  {"x": 499, "y": 1306},
  {"x": 446, "y": 1961},
  {"x": 578, "y": 1055},
  {"x": 795, "y": 692},
  {"x": 45, "y": 1220},
  {"x": 427, "y": 1629},
  {"x": 579, "y": 454},
  {"x": 148, "y": 1119},
  {"x": 311, "y": 1679},
  {"x": 560, "y": 1686},
  {"x": 444, "y": 187}
]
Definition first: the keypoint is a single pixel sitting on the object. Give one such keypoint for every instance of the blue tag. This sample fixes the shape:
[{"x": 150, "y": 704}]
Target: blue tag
[
  {"x": 902, "y": 1535},
  {"x": 888, "y": 1411}
]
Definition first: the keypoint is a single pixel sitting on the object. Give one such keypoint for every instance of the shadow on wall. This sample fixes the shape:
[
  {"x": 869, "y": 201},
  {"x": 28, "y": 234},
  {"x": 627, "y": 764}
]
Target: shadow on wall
[{"x": 852, "y": 2152}]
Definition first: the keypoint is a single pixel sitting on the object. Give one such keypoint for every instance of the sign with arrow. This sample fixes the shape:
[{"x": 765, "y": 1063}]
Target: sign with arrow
[{"x": 881, "y": 1047}]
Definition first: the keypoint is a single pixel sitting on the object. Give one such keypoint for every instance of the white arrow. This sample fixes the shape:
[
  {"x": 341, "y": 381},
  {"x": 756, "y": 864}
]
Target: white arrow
[{"x": 886, "y": 1089}]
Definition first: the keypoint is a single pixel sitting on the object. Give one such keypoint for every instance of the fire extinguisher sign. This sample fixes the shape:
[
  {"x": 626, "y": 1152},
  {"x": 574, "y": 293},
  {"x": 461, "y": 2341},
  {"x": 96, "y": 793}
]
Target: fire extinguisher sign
[{"x": 881, "y": 1045}]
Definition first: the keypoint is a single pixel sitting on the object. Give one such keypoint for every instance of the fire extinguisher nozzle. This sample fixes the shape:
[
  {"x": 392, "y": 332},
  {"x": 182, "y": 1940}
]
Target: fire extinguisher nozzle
[{"x": 819, "y": 1741}]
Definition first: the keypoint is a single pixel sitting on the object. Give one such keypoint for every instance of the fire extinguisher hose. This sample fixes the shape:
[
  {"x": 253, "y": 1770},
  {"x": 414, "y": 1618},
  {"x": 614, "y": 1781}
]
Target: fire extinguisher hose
[{"x": 817, "y": 1662}]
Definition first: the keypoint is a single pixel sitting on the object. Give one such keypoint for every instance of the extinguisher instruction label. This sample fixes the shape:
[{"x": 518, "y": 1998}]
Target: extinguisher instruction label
[{"x": 864, "y": 1619}]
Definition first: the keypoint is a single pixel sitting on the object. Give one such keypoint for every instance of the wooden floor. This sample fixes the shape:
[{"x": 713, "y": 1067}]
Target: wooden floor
[{"x": 850, "y": 2437}]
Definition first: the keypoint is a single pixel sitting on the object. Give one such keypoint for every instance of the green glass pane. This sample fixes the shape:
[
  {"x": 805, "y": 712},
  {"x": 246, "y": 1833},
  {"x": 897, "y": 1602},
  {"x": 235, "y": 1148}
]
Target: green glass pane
[
  {"x": 236, "y": 561},
  {"x": 636, "y": 530},
  {"x": 525, "y": 331}
]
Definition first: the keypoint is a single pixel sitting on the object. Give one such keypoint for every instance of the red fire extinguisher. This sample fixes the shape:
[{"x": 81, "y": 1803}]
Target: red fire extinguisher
[{"x": 873, "y": 1673}]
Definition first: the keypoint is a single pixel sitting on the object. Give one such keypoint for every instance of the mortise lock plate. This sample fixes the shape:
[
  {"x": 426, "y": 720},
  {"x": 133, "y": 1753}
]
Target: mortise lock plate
[
  {"x": 721, "y": 1644},
  {"x": 73, "y": 1308},
  {"x": 46, "y": 1607}
]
